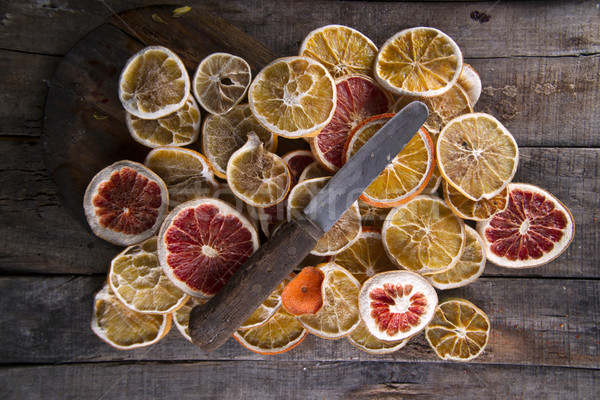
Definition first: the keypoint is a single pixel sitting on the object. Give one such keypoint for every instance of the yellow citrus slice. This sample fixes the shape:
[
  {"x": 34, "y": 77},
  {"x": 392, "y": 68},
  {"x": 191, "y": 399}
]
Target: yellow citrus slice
[
  {"x": 221, "y": 81},
  {"x": 282, "y": 332},
  {"x": 293, "y": 97},
  {"x": 365, "y": 257},
  {"x": 339, "y": 314},
  {"x": 123, "y": 328},
  {"x": 179, "y": 128},
  {"x": 257, "y": 176},
  {"x": 470, "y": 82},
  {"x": 181, "y": 316},
  {"x": 154, "y": 83},
  {"x": 434, "y": 183},
  {"x": 418, "y": 61},
  {"x": 266, "y": 310},
  {"x": 138, "y": 280},
  {"x": 362, "y": 339},
  {"x": 477, "y": 155},
  {"x": 223, "y": 134},
  {"x": 405, "y": 176},
  {"x": 313, "y": 170},
  {"x": 371, "y": 216},
  {"x": 459, "y": 331},
  {"x": 467, "y": 269},
  {"x": 341, "y": 49},
  {"x": 343, "y": 233},
  {"x": 474, "y": 210},
  {"x": 186, "y": 173},
  {"x": 424, "y": 236}
]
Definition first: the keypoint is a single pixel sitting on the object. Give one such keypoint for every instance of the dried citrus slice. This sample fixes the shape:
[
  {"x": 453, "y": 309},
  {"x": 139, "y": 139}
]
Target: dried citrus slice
[
  {"x": 282, "y": 332},
  {"x": 396, "y": 305},
  {"x": 179, "y": 128},
  {"x": 434, "y": 183},
  {"x": 221, "y": 81},
  {"x": 186, "y": 173},
  {"x": 313, "y": 170},
  {"x": 477, "y": 155},
  {"x": 424, "y": 236},
  {"x": 470, "y": 82},
  {"x": 341, "y": 49},
  {"x": 405, "y": 176},
  {"x": 343, "y": 233},
  {"x": 467, "y": 269},
  {"x": 339, "y": 314},
  {"x": 123, "y": 328},
  {"x": 534, "y": 229},
  {"x": 181, "y": 316},
  {"x": 297, "y": 161},
  {"x": 371, "y": 216},
  {"x": 137, "y": 279},
  {"x": 358, "y": 97},
  {"x": 125, "y": 203},
  {"x": 362, "y": 339},
  {"x": 365, "y": 257},
  {"x": 418, "y": 61},
  {"x": 223, "y": 134},
  {"x": 459, "y": 331},
  {"x": 302, "y": 295},
  {"x": 293, "y": 97},
  {"x": 266, "y": 310},
  {"x": 154, "y": 83},
  {"x": 257, "y": 176},
  {"x": 202, "y": 243},
  {"x": 474, "y": 210}
]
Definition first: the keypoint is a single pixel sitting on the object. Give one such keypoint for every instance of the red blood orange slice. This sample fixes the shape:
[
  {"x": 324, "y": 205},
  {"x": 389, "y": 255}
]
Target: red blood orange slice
[
  {"x": 125, "y": 203},
  {"x": 396, "y": 305},
  {"x": 202, "y": 243},
  {"x": 358, "y": 97},
  {"x": 534, "y": 229},
  {"x": 296, "y": 161}
]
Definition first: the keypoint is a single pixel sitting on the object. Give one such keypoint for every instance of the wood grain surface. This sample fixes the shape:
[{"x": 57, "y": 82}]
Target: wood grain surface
[{"x": 539, "y": 64}]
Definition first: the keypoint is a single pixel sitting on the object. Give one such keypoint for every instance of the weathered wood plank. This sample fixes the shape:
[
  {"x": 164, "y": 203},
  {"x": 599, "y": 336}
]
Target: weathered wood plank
[
  {"x": 297, "y": 380},
  {"x": 47, "y": 320}
]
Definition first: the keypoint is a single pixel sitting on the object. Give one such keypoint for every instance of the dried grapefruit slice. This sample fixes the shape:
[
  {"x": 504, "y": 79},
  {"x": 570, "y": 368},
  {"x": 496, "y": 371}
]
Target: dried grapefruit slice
[
  {"x": 459, "y": 331},
  {"x": 154, "y": 83},
  {"x": 362, "y": 339},
  {"x": 125, "y": 203},
  {"x": 221, "y": 81},
  {"x": 396, "y": 305},
  {"x": 339, "y": 314},
  {"x": 123, "y": 328},
  {"x": 181, "y": 316},
  {"x": 358, "y": 97},
  {"x": 297, "y": 161},
  {"x": 534, "y": 229},
  {"x": 266, "y": 310},
  {"x": 293, "y": 97},
  {"x": 303, "y": 295},
  {"x": 137, "y": 279},
  {"x": 474, "y": 210},
  {"x": 202, "y": 243},
  {"x": 341, "y": 49}
]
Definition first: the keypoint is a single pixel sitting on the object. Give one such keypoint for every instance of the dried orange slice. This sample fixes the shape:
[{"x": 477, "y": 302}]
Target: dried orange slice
[
  {"x": 405, "y": 176},
  {"x": 467, "y": 269},
  {"x": 181, "y": 316},
  {"x": 470, "y": 82},
  {"x": 358, "y": 97},
  {"x": 293, "y": 97},
  {"x": 282, "y": 332},
  {"x": 341, "y": 49},
  {"x": 223, "y": 134},
  {"x": 125, "y": 203},
  {"x": 257, "y": 176},
  {"x": 474, "y": 210},
  {"x": 534, "y": 229},
  {"x": 202, "y": 243},
  {"x": 418, "y": 61},
  {"x": 221, "y": 81},
  {"x": 434, "y": 183},
  {"x": 123, "y": 328},
  {"x": 459, "y": 331},
  {"x": 302, "y": 295},
  {"x": 343, "y": 233},
  {"x": 313, "y": 170},
  {"x": 371, "y": 216},
  {"x": 396, "y": 305},
  {"x": 186, "y": 173},
  {"x": 362, "y": 339},
  {"x": 424, "y": 236},
  {"x": 137, "y": 279},
  {"x": 266, "y": 310},
  {"x": 154, "y": 83},
  {"x": 477, "y": 155},
  {"x": 365, "y": 257},
  {"x": 339, "y": 314},
  {"x": 179, "y": 128}
]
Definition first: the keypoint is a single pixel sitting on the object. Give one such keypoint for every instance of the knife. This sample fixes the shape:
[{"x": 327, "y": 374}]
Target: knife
[{"x": 213, "y": 323}]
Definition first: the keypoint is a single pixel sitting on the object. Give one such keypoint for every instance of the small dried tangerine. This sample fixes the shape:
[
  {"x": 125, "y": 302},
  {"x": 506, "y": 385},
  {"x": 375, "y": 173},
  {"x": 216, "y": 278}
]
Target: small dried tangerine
[{"x": 303, "y": 294}]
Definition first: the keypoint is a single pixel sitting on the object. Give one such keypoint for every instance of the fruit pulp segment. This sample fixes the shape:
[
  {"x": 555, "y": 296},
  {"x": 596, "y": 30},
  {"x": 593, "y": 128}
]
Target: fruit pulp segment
[{"x": 395, "y": 308}]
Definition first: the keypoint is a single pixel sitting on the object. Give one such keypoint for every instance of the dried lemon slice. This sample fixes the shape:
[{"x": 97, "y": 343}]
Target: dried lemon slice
[{"x": 362, "y": 339}]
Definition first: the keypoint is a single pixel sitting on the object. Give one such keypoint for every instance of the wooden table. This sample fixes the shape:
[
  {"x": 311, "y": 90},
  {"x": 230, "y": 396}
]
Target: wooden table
[{"x": 540, "y": 66}]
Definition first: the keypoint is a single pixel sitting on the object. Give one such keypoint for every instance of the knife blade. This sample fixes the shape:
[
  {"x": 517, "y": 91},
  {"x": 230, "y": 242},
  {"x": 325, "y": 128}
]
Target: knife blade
[{"x": 214, "y": 322}]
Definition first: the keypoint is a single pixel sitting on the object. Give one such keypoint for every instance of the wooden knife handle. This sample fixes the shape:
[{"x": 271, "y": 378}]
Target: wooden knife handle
[{"x": 213, "y": 323}]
